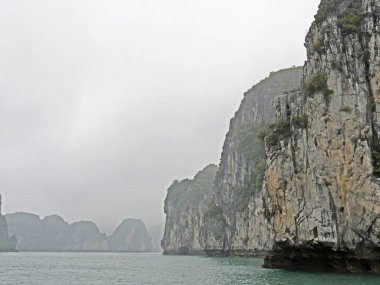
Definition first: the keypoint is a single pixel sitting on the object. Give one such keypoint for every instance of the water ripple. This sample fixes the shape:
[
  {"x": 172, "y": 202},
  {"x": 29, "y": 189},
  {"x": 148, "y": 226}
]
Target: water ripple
[{"x": 155, "y": 269}]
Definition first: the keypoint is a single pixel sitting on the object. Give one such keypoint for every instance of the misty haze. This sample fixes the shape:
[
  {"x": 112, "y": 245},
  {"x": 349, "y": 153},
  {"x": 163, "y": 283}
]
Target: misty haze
[
  {"x": 105, "y": 103},
  {"x": 132, "y": 128}
]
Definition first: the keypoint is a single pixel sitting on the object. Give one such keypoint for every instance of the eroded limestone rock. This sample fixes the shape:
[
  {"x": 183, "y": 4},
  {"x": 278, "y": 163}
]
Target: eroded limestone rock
[{"x": 320, "y": 180}]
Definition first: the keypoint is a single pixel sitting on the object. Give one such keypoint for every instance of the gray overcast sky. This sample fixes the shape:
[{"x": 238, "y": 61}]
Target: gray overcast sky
[{"x": 103, "y": 103}]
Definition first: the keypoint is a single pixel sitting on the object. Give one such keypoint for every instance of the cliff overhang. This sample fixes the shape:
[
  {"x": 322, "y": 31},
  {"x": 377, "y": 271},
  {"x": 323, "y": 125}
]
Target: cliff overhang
[{"x": 322, "y": 257}]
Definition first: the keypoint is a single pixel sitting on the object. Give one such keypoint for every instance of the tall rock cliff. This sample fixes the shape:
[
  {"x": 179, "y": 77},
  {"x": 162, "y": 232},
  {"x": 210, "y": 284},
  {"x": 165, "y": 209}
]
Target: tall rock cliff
[
  {"x": 233, "y": 229},
  {"x": 322, "y": 183},
  {"x": 6, "y": 243},
  {"x": 186, "y": 205},
  {"x": 300, "y": 170}
]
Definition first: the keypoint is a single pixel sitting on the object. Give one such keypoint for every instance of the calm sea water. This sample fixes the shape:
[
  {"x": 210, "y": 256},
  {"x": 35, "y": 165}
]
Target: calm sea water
[{"x": 112, "y": 268}]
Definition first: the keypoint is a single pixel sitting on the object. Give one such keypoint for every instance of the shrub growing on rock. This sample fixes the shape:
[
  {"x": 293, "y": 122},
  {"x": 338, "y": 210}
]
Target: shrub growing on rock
[
  {"x": 337, "y": 65},
  {"x": 300, "y": 121},
  {"x": 279, "y": 131},
  {"x": 325, "y": 8},
  {"x": 346, "y": 109},
  {"x": 318, "y": 83},
  {"x": 350, "y": 21},
  {"x": 213, "y": 211}
]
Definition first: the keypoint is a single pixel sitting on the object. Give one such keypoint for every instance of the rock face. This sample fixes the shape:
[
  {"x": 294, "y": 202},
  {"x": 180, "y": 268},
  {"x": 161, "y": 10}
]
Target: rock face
[
  {"x": 235, "y": 230},
  {"x": 54, "y": 234},
  {"x": 6, "y": 243},
  {"x": 307, "y": 186},
  {"x": 186, "y": 205},
  {"x": 130, "y": 236},
  {"x": 322, "y": 171}
]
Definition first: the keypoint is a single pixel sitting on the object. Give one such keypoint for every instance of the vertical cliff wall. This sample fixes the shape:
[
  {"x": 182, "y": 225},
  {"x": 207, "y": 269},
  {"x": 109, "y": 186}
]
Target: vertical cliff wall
[
  {"x": 237, "y": 191},
  {"x": 186, "y": 205},
  {"x": 322, "y": 178}
]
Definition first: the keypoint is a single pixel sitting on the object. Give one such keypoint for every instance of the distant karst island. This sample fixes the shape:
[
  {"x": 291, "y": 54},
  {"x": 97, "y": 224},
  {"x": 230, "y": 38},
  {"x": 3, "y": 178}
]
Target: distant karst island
[{"x": 53, "y": 234}]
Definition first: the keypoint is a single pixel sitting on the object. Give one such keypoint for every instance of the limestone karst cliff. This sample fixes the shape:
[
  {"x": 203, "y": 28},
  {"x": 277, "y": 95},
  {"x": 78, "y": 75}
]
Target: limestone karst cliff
[
  {"x": 322, "y": 176},
  {"x": 186, "y": 204},
  {"x": 52, "y": 233},
  {"x": 219, "y": 218},
  {"x": 235, "y": 230},
  {"x": 7, "y": 243},
  {"x": 300, "y": 171}
]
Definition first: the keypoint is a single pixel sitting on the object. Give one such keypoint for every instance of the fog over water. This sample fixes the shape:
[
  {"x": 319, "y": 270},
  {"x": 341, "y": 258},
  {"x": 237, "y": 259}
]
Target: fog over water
[{"x": 103, "y": 103}]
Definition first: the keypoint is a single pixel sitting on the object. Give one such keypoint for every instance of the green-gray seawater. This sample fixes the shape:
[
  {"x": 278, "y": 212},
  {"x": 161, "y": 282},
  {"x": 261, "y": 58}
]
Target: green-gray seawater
[{"x": 113, "y": 268}]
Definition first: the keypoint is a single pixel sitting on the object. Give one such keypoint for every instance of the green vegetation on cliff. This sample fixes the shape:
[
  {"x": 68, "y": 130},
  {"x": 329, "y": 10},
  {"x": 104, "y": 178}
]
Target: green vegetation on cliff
[
  {"x": 318, "y": 83},
  {"x": 300, "y": 121},
  {"x": 187, "y": 204},
  {"x": 325, "y": 8},
  {"x": 213, "y": 211},
  {"x": 244, "y": 142},
  {"x": 350, "y": 21},
  {"x": 188, "y": 193},
  {"x": 251, "y": 145}
]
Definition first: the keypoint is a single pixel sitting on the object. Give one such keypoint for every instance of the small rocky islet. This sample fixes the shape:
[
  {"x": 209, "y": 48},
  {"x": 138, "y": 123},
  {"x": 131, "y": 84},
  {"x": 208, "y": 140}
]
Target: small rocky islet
[{"x": 299, "y": 176}]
